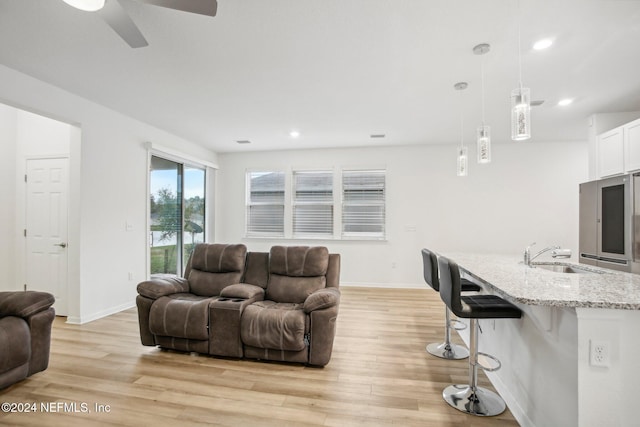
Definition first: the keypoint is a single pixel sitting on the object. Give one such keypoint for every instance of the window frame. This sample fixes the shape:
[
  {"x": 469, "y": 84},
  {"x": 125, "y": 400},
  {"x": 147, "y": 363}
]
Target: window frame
[{"x": 337, "y": 205}]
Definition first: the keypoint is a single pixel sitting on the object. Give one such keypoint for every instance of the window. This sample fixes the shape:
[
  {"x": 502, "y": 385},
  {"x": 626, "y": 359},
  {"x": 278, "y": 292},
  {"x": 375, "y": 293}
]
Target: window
[
  {"x": 363, "y": 203},
  {"x": 177, "y": 213},
  {"x": 265, "y": 204},
  {"x": 312, "y": 203}
]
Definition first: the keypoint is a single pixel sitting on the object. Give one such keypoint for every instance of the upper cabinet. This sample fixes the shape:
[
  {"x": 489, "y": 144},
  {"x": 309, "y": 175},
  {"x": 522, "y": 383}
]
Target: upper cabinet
[
  {"x": 632, "y": 145},
  {"x": 618, "y": 150}
]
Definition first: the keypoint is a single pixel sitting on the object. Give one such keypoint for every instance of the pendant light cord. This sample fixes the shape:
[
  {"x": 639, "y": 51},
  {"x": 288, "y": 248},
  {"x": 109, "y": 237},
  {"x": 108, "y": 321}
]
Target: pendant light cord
[
  {"x": 461, "y": 121},
  {"x": 482, "y": 86},
  {"x": 519, "y": 48}
]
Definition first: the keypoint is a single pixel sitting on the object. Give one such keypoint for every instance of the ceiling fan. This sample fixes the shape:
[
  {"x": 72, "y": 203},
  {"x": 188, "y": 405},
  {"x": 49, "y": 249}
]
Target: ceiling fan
[{"x": 117, "y": 18}]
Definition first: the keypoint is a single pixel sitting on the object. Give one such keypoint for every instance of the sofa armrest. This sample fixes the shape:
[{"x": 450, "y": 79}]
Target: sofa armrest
[
  {"x": 243, "y": 290},
  {"x": 160, "y": 285},
  {"x": 321, "y": 299},
  {"x": 24, "y": 303}
]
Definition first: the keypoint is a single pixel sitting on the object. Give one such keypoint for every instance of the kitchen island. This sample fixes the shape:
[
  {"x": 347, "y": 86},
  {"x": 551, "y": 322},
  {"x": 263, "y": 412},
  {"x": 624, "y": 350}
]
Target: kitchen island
[{"x": 548, "y": 377}]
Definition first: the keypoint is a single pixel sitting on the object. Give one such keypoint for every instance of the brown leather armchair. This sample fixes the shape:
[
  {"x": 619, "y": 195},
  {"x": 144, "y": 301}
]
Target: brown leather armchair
[
  {"x": 174, "y": 311},
  {"x": 296, "y": 322},
  {"x": 25, "y": 334}
]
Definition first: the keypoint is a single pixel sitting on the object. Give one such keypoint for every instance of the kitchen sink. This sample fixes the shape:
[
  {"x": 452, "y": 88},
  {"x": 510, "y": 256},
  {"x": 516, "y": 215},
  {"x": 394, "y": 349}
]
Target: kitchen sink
[{"x": 566, "y": 268}]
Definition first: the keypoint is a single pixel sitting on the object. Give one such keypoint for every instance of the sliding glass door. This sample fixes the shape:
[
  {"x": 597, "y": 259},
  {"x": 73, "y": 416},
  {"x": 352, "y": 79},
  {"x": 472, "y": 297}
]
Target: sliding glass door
[{"x": 177, "y": 212}]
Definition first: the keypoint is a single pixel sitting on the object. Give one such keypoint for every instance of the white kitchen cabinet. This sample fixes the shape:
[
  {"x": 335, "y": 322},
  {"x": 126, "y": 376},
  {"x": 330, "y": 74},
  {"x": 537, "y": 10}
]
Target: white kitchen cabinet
[
  {"x": 631, "y": 133},
  {"x": 618, "y": 150},
  {"x": 611, "y": 153}
]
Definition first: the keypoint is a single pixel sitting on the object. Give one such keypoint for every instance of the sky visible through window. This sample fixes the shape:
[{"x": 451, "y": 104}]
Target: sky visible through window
[{"x": 167, "y": 179}]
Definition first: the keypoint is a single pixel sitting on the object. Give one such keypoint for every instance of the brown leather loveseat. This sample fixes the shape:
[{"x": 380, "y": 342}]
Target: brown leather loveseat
[
  {"x": 281, "y": 305},
  {"x": 25, "y": 334}
]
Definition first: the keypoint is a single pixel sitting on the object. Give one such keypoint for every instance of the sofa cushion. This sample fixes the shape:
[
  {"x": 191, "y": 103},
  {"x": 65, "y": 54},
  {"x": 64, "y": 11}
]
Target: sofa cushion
[
  {"x": 299, "y": 261},
  {"x": 293, "y": 289},
  {"x": 15, "y": 342},
  {"x": 212, "y": 267},
  {"x": 24, "y": 303},
  {"x": 219, "y": 258},
  {"x": 180, "y": 315},
  {"x": 296, "y": 272},
  {"x": 277, "y": 326}
]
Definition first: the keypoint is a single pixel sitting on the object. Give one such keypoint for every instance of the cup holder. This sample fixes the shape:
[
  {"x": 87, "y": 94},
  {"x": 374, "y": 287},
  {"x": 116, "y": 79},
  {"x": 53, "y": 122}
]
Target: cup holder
[
  {"x": 230, "y": 299},
  {"x": 237, "y": 300},
  {"x": 223, "y": 299}
]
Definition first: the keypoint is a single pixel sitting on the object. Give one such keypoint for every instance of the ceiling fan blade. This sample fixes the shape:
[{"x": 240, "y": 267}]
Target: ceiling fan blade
[
  {"x": 119, "y": 20},
  {"x": 202, "y": 7}
]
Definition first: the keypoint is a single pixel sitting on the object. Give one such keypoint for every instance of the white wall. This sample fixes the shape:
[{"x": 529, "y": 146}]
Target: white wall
[
  {"x": 108, "y": 188},
  {"x": 8, "y": 126},
  {"x": 528, "y": 193}
]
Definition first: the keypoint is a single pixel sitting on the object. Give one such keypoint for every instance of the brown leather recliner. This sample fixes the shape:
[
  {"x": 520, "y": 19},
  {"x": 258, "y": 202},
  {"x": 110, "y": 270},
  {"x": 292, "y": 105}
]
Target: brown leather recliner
[
  {"x": 174, "y": 311},
  {"x": 297, "y": 320},
  {"x": 25, "y": 334}
]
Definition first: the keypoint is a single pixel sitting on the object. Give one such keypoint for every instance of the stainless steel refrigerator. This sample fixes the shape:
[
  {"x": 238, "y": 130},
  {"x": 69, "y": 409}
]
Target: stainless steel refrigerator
[{"x": 607, "y": 236}]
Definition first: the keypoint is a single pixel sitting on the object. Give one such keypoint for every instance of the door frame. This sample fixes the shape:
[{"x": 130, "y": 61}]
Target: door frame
[{"x": 22, "y": 208}]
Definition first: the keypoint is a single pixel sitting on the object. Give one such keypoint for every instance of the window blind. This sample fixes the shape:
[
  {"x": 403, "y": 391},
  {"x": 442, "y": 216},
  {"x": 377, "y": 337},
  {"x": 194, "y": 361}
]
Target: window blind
[
  {"x": 312, "y": 203},
  {"x": 363, "y": 203},
  {"x": 265, "y": 204}
]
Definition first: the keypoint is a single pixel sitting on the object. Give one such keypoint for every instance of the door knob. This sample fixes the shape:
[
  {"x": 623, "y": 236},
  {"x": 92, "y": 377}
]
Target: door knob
[{"x": 62, "y": 245}]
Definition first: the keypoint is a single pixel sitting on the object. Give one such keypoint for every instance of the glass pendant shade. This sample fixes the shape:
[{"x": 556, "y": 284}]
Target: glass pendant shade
[
  {"x": 462, "y": 161},
  {"x": 86, "y": 5},
  {"x": 484, "y": 144},
  {"x": 520, "y": 114}
]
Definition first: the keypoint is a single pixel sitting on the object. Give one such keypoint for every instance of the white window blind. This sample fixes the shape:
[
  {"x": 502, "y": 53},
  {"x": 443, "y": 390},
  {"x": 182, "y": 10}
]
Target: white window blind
[
  {"x": 265, "y": 203},
  {"x": 312, "y": 203},
  {"x": 363, "y": 203}
]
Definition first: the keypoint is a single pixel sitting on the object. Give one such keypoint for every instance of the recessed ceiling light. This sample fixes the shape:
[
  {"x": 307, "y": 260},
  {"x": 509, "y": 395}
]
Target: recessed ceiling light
[
  {"x": 565, "y": 102},
  {"x": 377, "y": 135},
  {"x": 243, "y": 141},
  {"x": 294, "y": 134},
  {"x": 542, "y": 44},
  {"x": 86, "y": 5}
]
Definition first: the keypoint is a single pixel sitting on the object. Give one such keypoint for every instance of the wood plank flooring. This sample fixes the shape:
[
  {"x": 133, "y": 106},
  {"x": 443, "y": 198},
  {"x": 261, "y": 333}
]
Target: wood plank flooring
[{"x": 379, "y": 375}]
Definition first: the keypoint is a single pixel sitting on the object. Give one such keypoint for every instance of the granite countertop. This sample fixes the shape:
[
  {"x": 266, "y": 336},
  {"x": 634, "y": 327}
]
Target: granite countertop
[{"x": 507, "y": 276}]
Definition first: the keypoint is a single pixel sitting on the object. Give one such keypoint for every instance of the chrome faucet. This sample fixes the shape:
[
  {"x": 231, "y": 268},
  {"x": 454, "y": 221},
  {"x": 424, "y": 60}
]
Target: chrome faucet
[{"x": 528, "y": 257}]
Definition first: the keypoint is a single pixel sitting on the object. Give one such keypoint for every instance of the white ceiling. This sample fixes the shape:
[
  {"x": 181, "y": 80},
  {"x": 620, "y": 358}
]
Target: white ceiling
[{"x": 336, "y": 70}]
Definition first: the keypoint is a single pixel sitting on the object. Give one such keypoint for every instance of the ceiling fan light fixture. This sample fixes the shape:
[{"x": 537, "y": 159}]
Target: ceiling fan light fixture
[{"x": 86, "y": 5}]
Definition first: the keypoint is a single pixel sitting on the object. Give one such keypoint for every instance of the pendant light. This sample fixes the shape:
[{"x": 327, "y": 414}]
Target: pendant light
[
  {"x": 520, "y": 102},
  {"x": 483, "y": 136},
  {"x": 86, "y": 5},
  {"x": 463, "y": 159}
]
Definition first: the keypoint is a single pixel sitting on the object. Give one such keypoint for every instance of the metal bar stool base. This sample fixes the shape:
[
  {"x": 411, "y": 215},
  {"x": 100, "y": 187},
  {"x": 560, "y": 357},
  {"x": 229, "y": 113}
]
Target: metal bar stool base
[
  {"x": 483, "y": 402},
  {"x": 448, "y": 351}
]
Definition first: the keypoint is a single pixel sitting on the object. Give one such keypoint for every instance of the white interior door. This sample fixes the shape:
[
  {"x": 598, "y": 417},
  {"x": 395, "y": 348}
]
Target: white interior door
[{"x": 46, "y": 233}]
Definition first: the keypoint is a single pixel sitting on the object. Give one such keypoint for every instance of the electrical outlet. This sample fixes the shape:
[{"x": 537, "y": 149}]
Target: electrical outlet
[{"x": 599, "y": 353}]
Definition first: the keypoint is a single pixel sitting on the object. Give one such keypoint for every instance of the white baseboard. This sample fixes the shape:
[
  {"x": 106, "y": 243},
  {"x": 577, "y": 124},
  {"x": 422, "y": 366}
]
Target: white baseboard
[
  {"x": 384, "y": 285},
  {"x": 76, "y": 320}
]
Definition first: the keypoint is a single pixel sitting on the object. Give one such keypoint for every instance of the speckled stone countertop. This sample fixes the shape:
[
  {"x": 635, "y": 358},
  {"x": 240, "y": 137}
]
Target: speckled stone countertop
[{"x": 507, "y": 276}]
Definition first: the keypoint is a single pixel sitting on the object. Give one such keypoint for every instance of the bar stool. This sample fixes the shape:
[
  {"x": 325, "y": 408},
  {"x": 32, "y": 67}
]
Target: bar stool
[
  {"x": 470, "y": 398},
  {"x": 446, "y": 349}
]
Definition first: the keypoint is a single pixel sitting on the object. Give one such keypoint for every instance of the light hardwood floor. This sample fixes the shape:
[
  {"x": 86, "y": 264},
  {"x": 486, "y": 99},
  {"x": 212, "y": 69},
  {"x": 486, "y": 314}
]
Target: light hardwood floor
[{"x": 379, "y": 375}]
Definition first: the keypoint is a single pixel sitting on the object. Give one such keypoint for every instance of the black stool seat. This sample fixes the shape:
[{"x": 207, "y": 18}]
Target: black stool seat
[
  {"x": 469, "y": 286},
  {"x": 470, "y": 398},
  {"x": 487, "y": 307}
]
